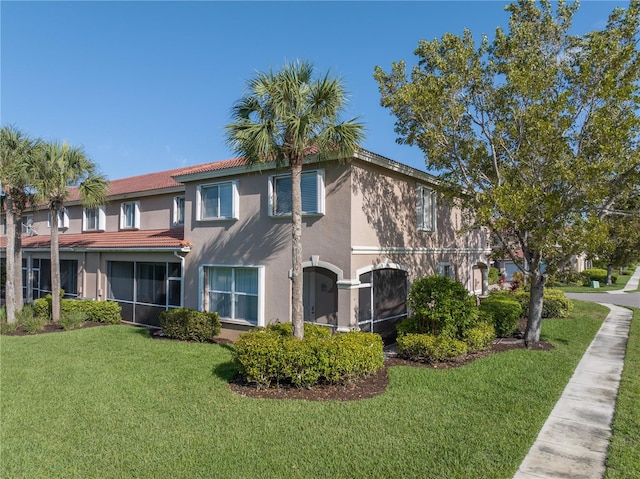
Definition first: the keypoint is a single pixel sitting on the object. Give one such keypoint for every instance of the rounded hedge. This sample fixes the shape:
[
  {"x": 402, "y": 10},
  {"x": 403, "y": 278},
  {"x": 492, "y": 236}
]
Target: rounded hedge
[
  {"x": 189, "y": 325},
  {"x": 442, "y": 307},
  {"x": 272, "y": 355},
  {"x": 505, "y": 313}
]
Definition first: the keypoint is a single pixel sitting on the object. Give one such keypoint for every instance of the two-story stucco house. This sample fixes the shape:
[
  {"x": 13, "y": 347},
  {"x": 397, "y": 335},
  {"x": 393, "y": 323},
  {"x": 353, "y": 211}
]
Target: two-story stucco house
[{"x": 217, "y": 237}]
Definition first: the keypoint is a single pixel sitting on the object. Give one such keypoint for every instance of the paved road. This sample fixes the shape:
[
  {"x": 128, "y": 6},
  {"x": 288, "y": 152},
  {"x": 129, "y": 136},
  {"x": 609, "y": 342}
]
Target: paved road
[{"x": 621, "y": 299}]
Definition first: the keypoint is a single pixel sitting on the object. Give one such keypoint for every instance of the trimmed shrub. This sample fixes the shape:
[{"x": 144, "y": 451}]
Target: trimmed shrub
[
  {"x": 505, "y": 311},
  {"x": 480, "y": 337},
  {"x": 271, "y": 355},
  {"x": 597, "y": 274},
  {"x": 72, "y": 319},
  {"x": 98, "y": 311},
  {"x": 429, "y": 348},
  {"x": 442, "y": 307},
  {"x": 189, "y": 324},
  {"x": 555, "y": 303}
]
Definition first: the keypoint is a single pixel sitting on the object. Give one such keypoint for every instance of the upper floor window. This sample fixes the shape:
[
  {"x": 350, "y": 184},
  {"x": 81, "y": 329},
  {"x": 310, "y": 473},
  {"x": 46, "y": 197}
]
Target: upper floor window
[
  {"x": 178, "y": 210},
  {"x": 63, "y": 219},
  {"x": 217, "y": 201},
  {"x": 130, "y": 215},
  {"x": 426, "y": 208},
  {"x": 312, "y": 190},
  {"x": 93, "y": 219}
]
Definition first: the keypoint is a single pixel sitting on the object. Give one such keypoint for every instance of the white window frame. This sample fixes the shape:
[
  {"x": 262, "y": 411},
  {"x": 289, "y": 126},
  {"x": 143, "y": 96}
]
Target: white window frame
[
  {"x": 235, "y": 201},
  {"x": 176, "y": 210},
  {"x": 102, "y": 219},
  {"x": 63, "y": 219},
  {"x": 423, "y": 220},
  {"x": 136, "y": 215},
  {"x": 204, "y": 292},
  {"x": 320, "y": 194}
]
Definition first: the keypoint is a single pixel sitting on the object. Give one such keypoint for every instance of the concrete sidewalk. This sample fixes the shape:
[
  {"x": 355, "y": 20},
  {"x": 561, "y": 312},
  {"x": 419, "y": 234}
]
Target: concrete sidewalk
[{"x": 573, "y": 441}]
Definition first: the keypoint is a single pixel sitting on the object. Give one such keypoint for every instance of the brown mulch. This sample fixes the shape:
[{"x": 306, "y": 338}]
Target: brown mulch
[{"x": 372, "y": 385}]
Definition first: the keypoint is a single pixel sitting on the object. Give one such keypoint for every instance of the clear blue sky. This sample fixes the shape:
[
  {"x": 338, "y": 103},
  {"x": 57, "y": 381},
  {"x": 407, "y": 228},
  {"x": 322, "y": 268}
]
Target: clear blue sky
[{"x": 148, "y": 86}]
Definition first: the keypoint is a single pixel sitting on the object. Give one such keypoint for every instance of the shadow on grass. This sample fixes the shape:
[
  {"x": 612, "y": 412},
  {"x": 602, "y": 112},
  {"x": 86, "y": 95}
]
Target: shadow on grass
[{"x": 225, "y": 371}]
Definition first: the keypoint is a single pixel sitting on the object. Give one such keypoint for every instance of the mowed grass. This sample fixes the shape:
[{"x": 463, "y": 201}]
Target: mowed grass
[
  {"x": 620, "y": 283},
  {"x": 110, "y": 402},
  {"x": 623, "y": 457}
]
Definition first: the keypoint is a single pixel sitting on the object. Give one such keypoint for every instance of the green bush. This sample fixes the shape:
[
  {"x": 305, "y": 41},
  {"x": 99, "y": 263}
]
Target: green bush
[
  {"x": 310, "y": 330},
  {"x": 505, "y": 312},
  {"x": 271, "y": 355},
  {"x": 189, "y": 324},
  {"x": 555, "y": 303},
  {"x": 429, "y": 348},
  {"x": 597, "y": 274},
  {"x": 494, "y": 275},
  {"x": 407, "y": 326},
  {"x": 480, "y": 337},
  {"x": 72, "y": 319},
  {"x": 31, "y": 322},
  {"x": 442, "y": 307},
  {"x": 98, "y": 311}
]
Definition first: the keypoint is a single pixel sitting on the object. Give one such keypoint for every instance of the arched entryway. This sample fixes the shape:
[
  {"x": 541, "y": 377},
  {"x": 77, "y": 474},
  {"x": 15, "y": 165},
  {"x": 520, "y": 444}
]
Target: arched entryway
[
  {"x": 382, "y": 299},
  {"x": 320, "y": 295}
]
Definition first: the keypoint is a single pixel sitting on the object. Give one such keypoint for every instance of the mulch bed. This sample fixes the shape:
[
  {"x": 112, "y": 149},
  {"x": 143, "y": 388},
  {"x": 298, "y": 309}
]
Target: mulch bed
[
  {"x": 365, "y": 388},
  {"x": 372, "y": 385}
]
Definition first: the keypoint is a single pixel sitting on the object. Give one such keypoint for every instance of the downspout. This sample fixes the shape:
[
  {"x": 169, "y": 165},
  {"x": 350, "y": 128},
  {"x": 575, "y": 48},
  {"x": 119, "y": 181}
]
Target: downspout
[{"x": 182, "y": 261}]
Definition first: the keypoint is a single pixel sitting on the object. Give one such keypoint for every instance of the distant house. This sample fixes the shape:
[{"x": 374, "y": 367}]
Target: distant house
[{"x": 217, "y": 237}]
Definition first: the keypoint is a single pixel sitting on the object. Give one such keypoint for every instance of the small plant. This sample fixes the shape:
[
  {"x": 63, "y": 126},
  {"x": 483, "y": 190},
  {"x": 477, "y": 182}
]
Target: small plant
[
  {"x": 479, "y": 337},
  {"x": 6, "y": 327},
  {"x": 73, "y": 319},
  {"x": 555, "y": 303},
  {"x": 494, "y": 275},
  {"x": 31, "y": 322}
]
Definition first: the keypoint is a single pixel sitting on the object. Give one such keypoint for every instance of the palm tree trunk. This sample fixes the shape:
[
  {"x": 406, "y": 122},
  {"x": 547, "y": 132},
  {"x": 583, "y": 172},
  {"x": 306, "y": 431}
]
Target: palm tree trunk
[
  {"x": 17, "y": 255},
  {"x": 297, "y": 317},
  {"x": 10, "y": 290},
  {"x": 55, "y": 266}
]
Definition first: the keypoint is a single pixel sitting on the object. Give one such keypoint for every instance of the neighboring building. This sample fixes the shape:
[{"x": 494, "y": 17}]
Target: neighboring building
[{"x": 217, "y": 237}]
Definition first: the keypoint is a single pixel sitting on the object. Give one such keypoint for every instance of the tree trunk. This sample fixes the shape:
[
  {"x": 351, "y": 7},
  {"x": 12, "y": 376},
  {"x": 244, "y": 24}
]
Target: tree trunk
[
  {"x": 55, "y": 267},
  {"x": 536, "y": 296},
  {"x": 17, "y": 255},
  {"x": 10, "y": 290},
  {"x": 609, "y": 271},
  {"x": 297, "y": 317}
]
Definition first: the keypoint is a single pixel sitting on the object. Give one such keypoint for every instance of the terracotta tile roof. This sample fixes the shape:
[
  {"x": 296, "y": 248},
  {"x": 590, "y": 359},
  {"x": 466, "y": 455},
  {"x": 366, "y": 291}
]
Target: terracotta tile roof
[
  {"x": 163, "y": 239},
  {"x": 217, "y": 165},
  {"x": 159, "y": 180}
]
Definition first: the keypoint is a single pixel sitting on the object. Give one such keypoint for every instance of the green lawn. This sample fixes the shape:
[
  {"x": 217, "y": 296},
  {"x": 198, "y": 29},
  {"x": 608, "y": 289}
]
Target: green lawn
[
  {"x": 620, "y": 283},
  {"x": 110, "y": 402},
  {"x": 623, "y": 458}
]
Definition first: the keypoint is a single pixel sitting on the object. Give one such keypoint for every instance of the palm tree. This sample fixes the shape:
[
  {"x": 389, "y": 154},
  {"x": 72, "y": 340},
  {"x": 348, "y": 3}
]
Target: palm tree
[
  {"x": 287, "y": 116},
  {"x": 56, "y": 170},
  {"x": 16, "y": 149}
]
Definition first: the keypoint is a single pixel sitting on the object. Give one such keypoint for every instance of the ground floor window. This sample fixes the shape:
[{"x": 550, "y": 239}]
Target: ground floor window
[
  {"x": 232, "y": 292},
  {"x": 382, "y": 300},
  {"x": 41, "y": 277},
  {"x": 144, "y": 289}
]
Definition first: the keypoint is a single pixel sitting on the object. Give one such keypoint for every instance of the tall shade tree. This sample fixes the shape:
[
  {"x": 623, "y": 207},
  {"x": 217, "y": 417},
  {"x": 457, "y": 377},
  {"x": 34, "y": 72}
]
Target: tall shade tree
[
  {"x": 285, "y": 117},
  {"x": 55, "y": 171},
  {"x": 16, "y": 149},
  {"x": 539, "y": 127}
]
